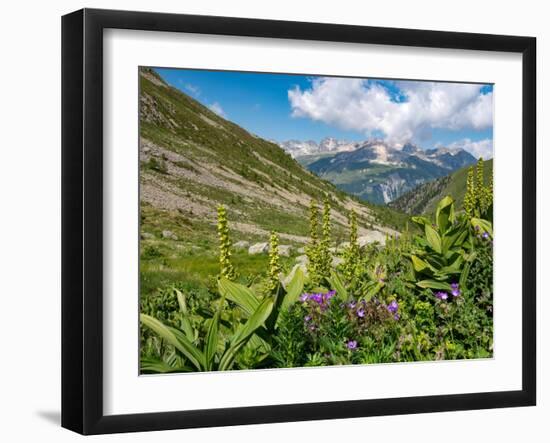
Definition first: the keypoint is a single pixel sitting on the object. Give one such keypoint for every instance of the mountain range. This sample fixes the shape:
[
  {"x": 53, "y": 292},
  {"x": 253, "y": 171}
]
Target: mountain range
[
  {"x": 192, "y": 160},
  {"x": 373, "y": 170}
]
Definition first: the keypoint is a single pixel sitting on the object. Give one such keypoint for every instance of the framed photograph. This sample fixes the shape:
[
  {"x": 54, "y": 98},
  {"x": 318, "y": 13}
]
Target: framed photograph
[{"x": 269, "y": 221}]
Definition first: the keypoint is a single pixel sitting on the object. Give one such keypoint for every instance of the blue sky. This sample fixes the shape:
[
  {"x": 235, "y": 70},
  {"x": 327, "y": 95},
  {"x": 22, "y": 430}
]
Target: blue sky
[{"x": 282, "y": 107}]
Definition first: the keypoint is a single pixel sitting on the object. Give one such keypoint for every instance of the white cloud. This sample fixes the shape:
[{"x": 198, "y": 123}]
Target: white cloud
[
  {"x": 217, "y": 108},
  {"x": 480, "y": 148},
  {"x": 366, "y": 106},
  {"x": 193, "y": 89}
]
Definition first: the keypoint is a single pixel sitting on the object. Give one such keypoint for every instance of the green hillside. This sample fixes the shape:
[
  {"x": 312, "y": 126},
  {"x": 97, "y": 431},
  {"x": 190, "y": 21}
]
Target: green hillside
[
  {"x": 424, "y": 198},
  {"x": 192, "y": 160}
]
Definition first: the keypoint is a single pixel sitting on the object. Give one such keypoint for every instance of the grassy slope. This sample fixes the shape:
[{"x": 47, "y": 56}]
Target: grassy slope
[
  {"x": 192, "y": 160},
  {"x": 423, "y": 199}
]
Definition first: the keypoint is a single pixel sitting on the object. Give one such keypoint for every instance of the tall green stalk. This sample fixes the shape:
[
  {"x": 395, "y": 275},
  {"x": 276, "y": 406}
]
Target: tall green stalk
[
  {"x": 274, "y": 262},
  {"x": 226, "y": 267}
]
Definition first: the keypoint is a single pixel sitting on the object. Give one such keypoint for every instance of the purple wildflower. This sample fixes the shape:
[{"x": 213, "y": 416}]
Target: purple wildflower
[
  {"x": 360, "y": 312},
  {"x": 307, "y": 318},
  {"x": 485, "y": 235},
  {"x": 304, "y": 297},
  {"x": 351, "y": 305},
  {"x": 441, "y": 295},
  {"x": 393, "y": 307},
  {"x": 396, "y": 316},
  {"x": 455, "y": 291},
  {"x": 352, "y": 344}
]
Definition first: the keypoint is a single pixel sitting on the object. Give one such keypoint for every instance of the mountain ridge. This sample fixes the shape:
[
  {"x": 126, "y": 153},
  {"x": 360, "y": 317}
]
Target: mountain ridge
[
  {"x": 423, "y": 199},
  {"x": 192, "y": 160},
  {"x": 377, "y": 172}
]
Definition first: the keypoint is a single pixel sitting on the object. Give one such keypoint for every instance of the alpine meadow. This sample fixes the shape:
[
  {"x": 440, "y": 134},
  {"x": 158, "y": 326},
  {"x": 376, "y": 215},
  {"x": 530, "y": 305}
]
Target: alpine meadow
[{"x": 295, "y": 221}]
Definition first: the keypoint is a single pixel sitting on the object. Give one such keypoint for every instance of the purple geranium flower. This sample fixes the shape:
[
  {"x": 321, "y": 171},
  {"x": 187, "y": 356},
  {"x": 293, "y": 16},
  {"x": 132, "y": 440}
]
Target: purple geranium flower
[
  {"x": 351, "y": 305},
  {"x": 396, "y": 316},
  {"x": 360, "y": 312},
  {"x": 455, "y": 291},
  {"x": 304, "y": 297},
  {"x": 441, "y": 295},
  {"x": 393, "y": 307},
  {"x": 352, "y": 344},
  {"x": 307, "y": 318},
  {"x": 485, "y": 235}
]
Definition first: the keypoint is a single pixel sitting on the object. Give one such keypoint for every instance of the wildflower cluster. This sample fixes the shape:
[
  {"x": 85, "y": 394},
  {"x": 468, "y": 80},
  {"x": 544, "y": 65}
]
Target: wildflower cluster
[
  {"x": 315, "y": 305},
  {"x": 455, "y": 292}
]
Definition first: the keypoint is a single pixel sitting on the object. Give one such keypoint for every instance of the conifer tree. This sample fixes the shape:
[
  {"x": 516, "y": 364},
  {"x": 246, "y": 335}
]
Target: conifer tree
[{"x": 226, "y": 268}]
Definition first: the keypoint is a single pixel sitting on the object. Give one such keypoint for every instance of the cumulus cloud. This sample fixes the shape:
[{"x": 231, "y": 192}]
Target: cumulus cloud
[
  {"x": 193, "y": 89},
  {"x": 217, "y": 108},
  {"x": 368, "y": 106},
  {"x": 479, "y": 148}
]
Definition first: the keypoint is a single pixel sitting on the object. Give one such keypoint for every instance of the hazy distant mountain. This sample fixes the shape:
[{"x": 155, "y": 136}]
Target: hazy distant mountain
[
  {"x": 297, "y": 148},
  {"x": 377, "y": 172}
]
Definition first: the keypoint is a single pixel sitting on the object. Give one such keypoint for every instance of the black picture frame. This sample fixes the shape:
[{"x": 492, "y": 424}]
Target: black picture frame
[{"x": 82, "y": 218}]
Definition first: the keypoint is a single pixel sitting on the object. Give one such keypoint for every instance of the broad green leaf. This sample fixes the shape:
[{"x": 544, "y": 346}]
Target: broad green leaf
[
  {"x": 185, "y": 322},
  {"x": 420, "y": 221},
  {"x": 176, "y": 339},
  {"x": 445, "y": 214},
  {"x": 373, "y": 290},
  {"x": 454, "y": 267},
  {"x": 433, "y": 284},
  {"x": 238, "y": 294},
  {"x": 462, "y": 281},
  {"x": 294, "y": 288},
  {"x": 211, "y": 344},
  {"x": 242, "y": 335},
  {"x": 483, "y": 225},
  {"x": 255, "y": 321},
  {"x": 433, "y": 238},
  {"x": 155, "y": 365},
  {"x": 338, "y": 285},
  {"x": 181, "y": 301},
  {"x": 420, "y": 265}
]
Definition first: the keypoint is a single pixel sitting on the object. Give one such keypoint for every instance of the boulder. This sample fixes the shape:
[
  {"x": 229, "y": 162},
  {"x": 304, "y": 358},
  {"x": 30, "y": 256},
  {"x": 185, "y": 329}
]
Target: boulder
[
  {"x": 301, "y": 250},
  {"x": 286, "y": 280},
  {"x": 169, "y": 234},
  {"x": 336, "y": 261},
  {"x": 243, "y": 244},
  {"x": 147, "y": 236},
  {"x": 371, "y": 237},
  {"x": 285, "y": 250},
  {"x": 302, "y": 259},
  {"x": 343, "y": 246},
  {"x": 258, "y": 248}
]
